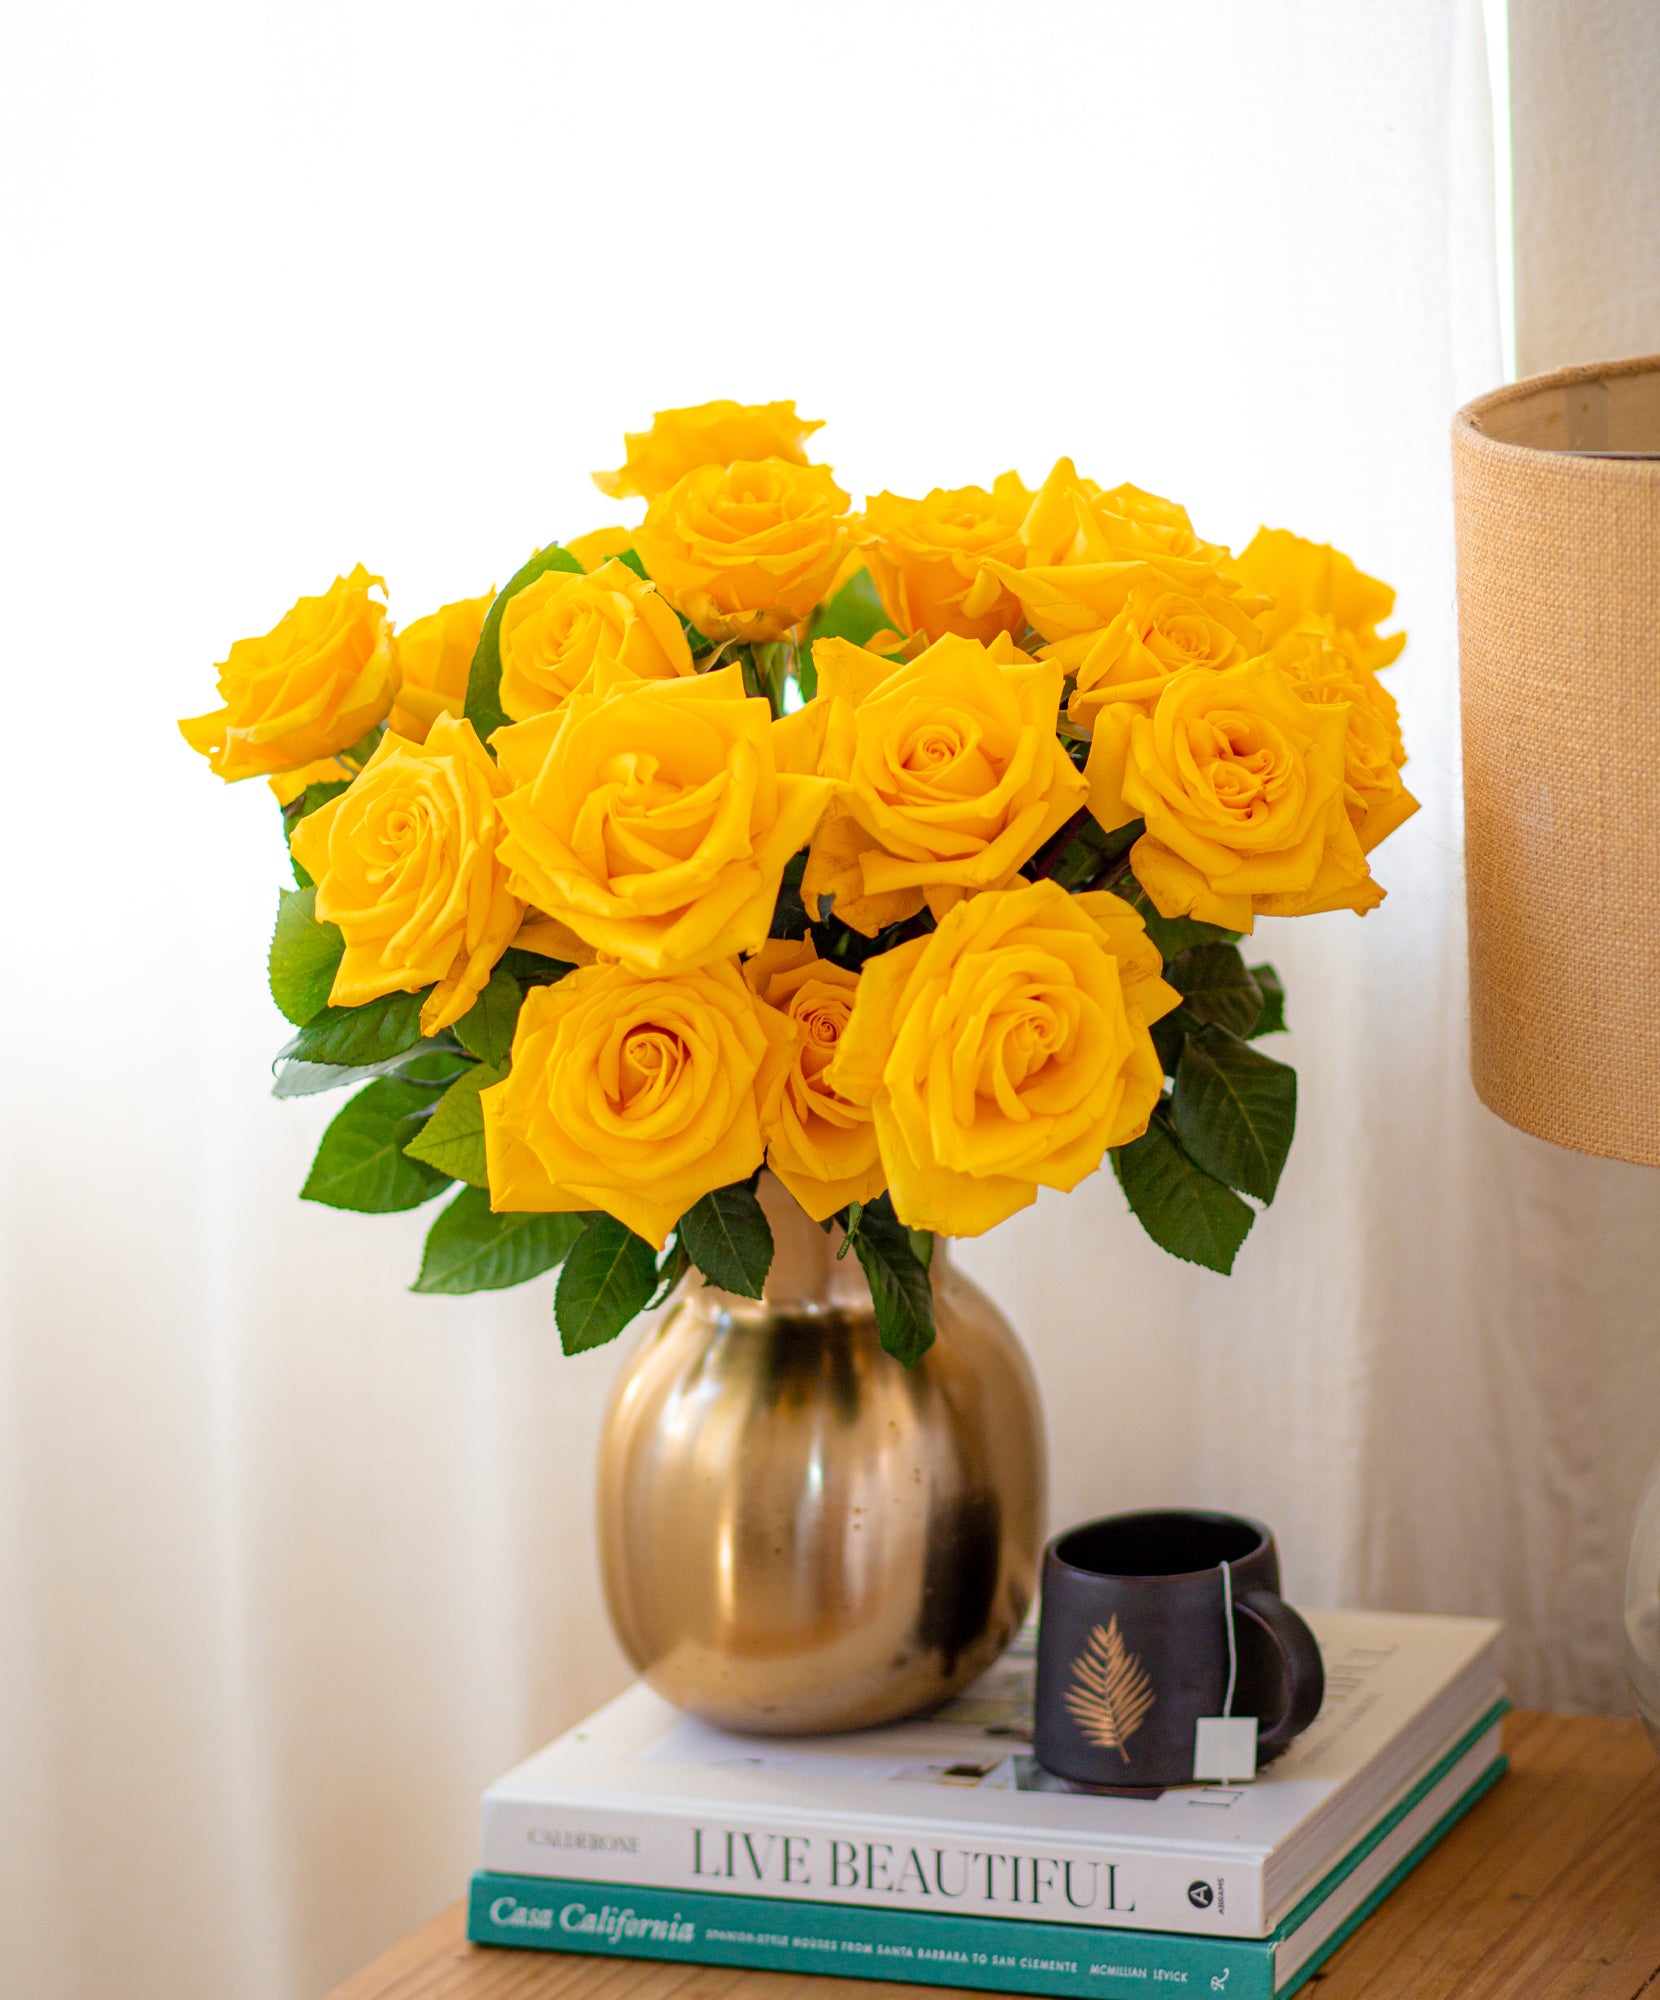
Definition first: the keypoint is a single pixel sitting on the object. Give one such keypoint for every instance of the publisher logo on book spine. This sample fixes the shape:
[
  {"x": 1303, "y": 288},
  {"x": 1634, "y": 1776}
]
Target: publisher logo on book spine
[{"x": 1201, "y": 1895}]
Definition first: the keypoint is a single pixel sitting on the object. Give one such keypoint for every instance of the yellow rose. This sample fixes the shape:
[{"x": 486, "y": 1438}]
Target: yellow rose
[
  {"x": 1315, "y": 587},
  {"x": 1322, "y": 617},
  {"x": 323, "y": 676},
  {"x": 1071, "y": 520},
  {"x": 1161, "y": 629},
  {"x": 407, "y": 863},
  {"x": 435, "y": 656},
  {"x": 1006, "y": 1052},
  {"x": 948, "y": 775},
  {"x": 821, "y": 1147},
  {"x": 637, "y": 1096},
  {"x": 1096, "y": 566},
  {"x": 1241, "y": 787},
  {"x": 1373, "y": 753},
  {"x": 599, "y": 545},
  {"x": 746, "y": 550},
  {"x": 707, "y": 434},
  {"x": 655, "y": 821},
  {"x": 565, "y": 634},
  {"x": 925, "y": 558}
]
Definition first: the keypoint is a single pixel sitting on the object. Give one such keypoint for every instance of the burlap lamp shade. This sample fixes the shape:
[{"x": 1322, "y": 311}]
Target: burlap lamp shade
[{"x": 1559, "y": 642}]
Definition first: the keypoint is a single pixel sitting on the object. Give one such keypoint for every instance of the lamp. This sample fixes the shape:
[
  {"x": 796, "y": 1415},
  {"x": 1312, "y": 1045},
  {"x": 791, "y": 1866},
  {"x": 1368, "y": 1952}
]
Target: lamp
[{"x": 1556, "y": 486}]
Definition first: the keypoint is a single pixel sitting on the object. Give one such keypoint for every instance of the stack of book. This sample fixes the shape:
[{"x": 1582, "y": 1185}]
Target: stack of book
[{"x": 938, "y": 1851}]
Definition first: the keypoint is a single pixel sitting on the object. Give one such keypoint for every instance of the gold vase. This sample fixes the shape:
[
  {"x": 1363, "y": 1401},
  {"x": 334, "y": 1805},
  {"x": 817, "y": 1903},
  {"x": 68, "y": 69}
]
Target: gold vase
[{"x": 797, "y": 1534}]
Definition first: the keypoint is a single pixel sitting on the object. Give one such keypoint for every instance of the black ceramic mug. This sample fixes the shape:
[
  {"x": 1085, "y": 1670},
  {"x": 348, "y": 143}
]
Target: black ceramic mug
[{"x": 1133, "y": 1646}]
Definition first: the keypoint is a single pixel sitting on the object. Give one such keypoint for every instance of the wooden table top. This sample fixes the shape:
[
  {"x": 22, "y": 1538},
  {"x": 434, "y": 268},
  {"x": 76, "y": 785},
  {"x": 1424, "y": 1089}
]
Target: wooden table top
[{"x": 1549, "y": 1889}]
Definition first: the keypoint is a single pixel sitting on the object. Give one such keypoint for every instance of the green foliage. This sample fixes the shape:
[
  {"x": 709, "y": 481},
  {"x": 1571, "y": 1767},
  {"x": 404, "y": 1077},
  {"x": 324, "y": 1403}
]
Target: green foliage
[
  {"x": 631, "y": 559},
  {"x": 484, "y": 709},
  {"x": 428, "y": 1062},
  {"x": 530, "y": 968},
  {"x": 900, "y": 1286},
  {"x": 1185, "y": 1210},
  {"x": 353, "y": 1036},
  {"x": 1081, "y": 856},
  {"x": 773, "y": 661},
  {"x": 470, "y": 1249},
  {"x": 855, "y": 613},
  {"x": 1215, "y": 987},
  {"x": 305, "y": 956},
  {"x": 452, "y": 1139},
  {"x": 487, "y": 1026},
  {"x": 1173, "y": 935},
  {"x": 609, "y": 1277},
  {"x": 672, "y": 1266},
  {"x": 362, "y": 1163},
  {"x": 314, "y": 795},
  {"x": 727, "y": 1236},
  {"x": 789, "y": 913},
  {"x": 1271, "y": 1021},
  {"x": 1234, "y": 1110},
  {"x": 359, "y": 753}
]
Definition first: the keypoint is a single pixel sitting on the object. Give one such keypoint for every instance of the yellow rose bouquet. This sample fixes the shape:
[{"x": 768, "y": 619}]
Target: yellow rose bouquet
[{"x": 906, "y": 852}]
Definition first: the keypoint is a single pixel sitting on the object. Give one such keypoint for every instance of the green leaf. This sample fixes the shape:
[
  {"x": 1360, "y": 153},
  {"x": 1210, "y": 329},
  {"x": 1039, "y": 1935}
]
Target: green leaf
[
  {"x": 1182, "y": 1208},
  {"x": 484, "y": 709},
  {"x": 364, "y": 748},
  {"x": 899, "y": 1283},
  {"x": 530, "y": 968},
  {"x": 855, "y": 612},
  {"x": 1173, "y": 935},
  {"x": 609, "y": 1276},
  {"x": 487, "y": 1026},
  {"x": 1271, "y": 1021},
  {"x": 427, "y": 1062},
  {"x": 372, "y": 1033},
  {"x": 631, "y": 557},
  {"x": 1234, "y": 1110},
  {"x": 727, "y": 1236},
  {"x": 789, "y": 913},
  {"x": 672, "y": 1266},
  {"x": 452, "y": 1140},
  {"x": 1215, "y": 987},
  {"x": 922, "y": 1247},
  {"x": 305, "y": 956},
  {"x": 362, "y": 1164},
  {"x": 470, "y": 1249}
]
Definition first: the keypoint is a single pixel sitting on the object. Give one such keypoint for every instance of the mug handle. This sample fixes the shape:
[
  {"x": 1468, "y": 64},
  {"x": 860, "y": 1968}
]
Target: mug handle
[{"x": 1304, "y": 1669}]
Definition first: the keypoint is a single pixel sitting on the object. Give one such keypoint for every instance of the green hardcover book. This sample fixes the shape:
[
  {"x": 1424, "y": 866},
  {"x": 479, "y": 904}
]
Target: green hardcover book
[{"x": 999, "y": 1954}]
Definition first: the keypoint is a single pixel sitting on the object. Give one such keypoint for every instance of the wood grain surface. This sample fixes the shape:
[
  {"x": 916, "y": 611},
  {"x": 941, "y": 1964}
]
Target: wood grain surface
[{"x": 1549, "y": 1889}]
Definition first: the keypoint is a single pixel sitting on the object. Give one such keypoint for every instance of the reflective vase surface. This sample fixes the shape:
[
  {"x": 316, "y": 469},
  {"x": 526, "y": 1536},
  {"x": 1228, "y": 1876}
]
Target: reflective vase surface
[
  {"x": 799, "y": 1535},
  {"x": 1642, "y": 1610}
]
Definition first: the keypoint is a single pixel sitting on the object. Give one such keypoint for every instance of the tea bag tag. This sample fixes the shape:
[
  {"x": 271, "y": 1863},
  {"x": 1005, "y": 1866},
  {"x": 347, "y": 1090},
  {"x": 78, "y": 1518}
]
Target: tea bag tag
[
  {"x": 1225, "y": 1748},
  {"x": 1225, "y": 1745}
]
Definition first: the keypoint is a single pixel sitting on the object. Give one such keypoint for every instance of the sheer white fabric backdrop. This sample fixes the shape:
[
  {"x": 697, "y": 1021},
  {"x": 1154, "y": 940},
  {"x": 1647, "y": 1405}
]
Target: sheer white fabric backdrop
[{"x": 293, "y": 1562}]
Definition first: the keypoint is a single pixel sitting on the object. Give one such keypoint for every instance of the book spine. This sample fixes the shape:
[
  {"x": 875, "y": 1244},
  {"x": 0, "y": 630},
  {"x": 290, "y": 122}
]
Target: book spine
[
  {"x": 997, "y": 1954},
  {"x": 892, "y": 1867}
]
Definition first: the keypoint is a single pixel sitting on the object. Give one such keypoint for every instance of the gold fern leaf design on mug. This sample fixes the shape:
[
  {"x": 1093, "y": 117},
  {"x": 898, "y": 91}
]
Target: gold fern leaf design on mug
[{"x": 1110, "y": 1692}]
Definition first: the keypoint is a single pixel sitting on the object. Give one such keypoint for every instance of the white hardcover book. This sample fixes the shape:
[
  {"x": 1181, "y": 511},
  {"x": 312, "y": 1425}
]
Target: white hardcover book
[{"x": 950, "y": 1812}]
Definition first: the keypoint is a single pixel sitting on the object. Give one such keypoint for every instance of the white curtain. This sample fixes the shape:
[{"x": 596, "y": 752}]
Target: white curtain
[{"x": 292, "y": 1562}]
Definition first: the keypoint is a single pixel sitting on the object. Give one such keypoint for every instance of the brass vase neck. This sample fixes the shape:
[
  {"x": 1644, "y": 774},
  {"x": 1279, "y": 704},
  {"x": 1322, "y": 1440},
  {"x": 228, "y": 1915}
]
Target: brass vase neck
[{"x": 806, "y": 1270}]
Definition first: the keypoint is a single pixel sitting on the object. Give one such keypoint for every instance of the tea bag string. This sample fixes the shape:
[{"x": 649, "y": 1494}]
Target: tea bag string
[{"x": 1233, "y": 1656}]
